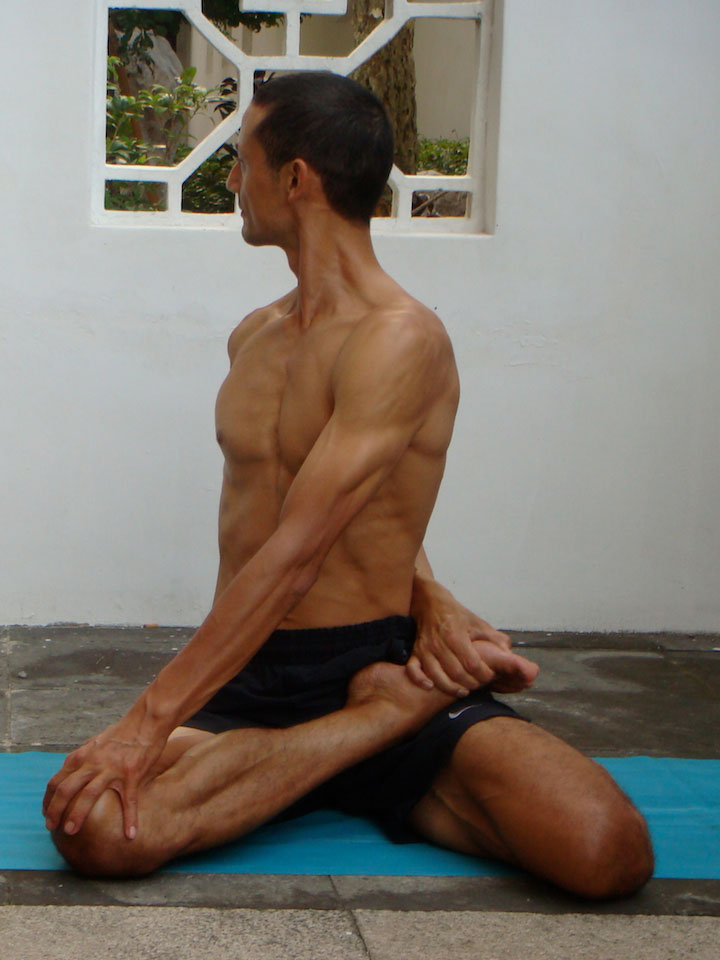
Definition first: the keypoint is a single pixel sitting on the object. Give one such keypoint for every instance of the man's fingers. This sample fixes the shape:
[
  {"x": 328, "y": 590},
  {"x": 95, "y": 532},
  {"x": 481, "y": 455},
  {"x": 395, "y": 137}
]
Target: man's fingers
[
  {"x": 83, "y": 803},
  {"x": 448, "y": 677},
  {"x": 70, "y": 766},
  {"x": 130, "y": 811},
  {"x": 50, "y": 789},
  {"x": 461, "y": 662},
  {"x": 428, "y": 673},
  {"x": 63, "y": 794},
  {"x": 416, "y": 673}
]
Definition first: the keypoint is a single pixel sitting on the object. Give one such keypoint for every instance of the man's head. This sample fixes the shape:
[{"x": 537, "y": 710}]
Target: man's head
[{"x": 337, "y": 127}]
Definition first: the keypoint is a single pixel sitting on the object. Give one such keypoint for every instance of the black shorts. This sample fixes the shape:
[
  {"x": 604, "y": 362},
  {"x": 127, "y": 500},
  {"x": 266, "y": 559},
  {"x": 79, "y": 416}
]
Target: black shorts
[{"x": 298, "y": 675}]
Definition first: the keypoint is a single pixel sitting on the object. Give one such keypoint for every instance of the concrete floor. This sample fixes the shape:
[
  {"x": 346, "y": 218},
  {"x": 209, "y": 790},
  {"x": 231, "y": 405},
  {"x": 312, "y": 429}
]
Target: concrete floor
[{"x": 609, "y": 695}]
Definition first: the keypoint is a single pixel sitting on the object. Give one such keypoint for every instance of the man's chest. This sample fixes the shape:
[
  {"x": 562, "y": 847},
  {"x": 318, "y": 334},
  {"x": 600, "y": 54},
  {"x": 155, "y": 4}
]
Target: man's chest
[{"x": 276, "y": 399}]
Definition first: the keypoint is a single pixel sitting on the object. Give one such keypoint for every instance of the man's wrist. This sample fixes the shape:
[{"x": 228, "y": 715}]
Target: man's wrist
[
  {"x": 425, "y": 591},
  {"x": 153, "y": 715}
]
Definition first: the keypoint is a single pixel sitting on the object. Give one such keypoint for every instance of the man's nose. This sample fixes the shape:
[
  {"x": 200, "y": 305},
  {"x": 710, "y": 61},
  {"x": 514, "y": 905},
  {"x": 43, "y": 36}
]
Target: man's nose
[{"x": 233, "y": 180}]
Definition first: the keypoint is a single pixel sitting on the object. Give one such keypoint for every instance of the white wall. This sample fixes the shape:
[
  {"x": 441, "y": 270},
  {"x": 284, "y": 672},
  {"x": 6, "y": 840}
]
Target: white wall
[
  {"x": 583, "y": 486},
  {"x": 444, "y": 70}
]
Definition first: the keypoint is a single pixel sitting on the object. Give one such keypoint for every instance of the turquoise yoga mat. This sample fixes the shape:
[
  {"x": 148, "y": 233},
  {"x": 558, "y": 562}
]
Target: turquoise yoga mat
[{"x": 680, "y": 798}]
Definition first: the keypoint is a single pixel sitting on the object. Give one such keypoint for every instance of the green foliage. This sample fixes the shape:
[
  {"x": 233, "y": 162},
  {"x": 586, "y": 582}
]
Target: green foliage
[
  {"x": 172, "y": 110},
  {"x": 226, "y": 14},
  {"x": 205, "y": 190},
  {"x": 134, "y": 195},
  {"x": 445, "y": 156},
  {"x": 163, "y": 23}
]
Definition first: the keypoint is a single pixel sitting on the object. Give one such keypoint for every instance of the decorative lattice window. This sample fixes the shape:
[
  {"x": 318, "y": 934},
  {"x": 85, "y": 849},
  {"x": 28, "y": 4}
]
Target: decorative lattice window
[{"x": 468, "y": 204}]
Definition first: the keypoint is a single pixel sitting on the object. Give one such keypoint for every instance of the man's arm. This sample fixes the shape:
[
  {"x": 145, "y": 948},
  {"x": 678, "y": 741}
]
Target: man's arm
[
  {"x": 455, "y": 650},
  {"x": 383, "y": 391},
  {"x": 423, "y": 570}
]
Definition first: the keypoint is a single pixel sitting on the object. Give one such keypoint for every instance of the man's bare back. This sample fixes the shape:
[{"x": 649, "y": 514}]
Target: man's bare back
[{"x": 278, "y": 401}]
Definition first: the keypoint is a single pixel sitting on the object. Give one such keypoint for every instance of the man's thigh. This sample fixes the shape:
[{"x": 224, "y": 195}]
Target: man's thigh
[
  {"x": 179, "y": 742},
  {"x": 515, "y": 792}
]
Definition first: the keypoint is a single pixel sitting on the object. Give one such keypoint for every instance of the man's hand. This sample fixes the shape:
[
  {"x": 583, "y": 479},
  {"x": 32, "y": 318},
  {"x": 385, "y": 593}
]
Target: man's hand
[
  {"x": 457, "y": 652},
  {"x": 118, "y": 758}
]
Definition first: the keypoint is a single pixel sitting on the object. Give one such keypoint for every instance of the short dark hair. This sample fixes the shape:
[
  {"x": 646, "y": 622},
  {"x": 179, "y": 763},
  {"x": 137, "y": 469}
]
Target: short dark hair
[{"x": 338, "y": 127}]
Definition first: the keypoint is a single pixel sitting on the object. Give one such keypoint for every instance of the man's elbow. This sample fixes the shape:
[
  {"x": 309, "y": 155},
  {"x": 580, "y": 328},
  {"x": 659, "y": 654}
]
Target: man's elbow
[
  {"x": 304, "y": 577},
  {"x": 305, "y": 572},
  {"x": 301, "y": 556}
]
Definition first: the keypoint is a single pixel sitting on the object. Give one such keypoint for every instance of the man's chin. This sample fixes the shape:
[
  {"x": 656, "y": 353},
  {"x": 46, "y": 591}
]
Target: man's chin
[{"x": 253, "y": 239}]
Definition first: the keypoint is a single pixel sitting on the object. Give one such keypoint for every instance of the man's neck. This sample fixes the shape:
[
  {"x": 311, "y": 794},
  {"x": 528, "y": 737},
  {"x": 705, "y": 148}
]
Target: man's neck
[{"x": 336, "y": 267}]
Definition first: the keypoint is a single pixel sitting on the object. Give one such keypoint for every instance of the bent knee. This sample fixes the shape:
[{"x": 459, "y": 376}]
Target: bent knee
[
  {"x": 618, "y": 857},
  {"x": 100, "y": 848}
]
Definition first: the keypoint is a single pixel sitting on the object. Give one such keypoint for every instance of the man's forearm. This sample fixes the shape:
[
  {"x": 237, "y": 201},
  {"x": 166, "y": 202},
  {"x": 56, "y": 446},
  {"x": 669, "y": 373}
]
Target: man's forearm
[
  {"x": 426, "y": 590},
  {"x": 242, "y": 618},
  {"x": 422, "y": 566},
  {"x": 252, "y": 606}
]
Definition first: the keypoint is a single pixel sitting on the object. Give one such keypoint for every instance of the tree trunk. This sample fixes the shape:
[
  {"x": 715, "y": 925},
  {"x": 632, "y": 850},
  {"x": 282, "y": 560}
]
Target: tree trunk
[{"x": 390, "y": 74}]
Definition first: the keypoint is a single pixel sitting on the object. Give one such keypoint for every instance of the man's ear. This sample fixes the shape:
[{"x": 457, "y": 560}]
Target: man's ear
[
  {"x": 297, "y": 178},
  {"x": 301, "y": 181}
]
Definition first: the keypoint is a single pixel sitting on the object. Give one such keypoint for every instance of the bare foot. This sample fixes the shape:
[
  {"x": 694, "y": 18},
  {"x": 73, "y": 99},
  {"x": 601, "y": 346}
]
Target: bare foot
[
  {"x": 387, "y": 685},
  {"x": 512, "y": 672}
]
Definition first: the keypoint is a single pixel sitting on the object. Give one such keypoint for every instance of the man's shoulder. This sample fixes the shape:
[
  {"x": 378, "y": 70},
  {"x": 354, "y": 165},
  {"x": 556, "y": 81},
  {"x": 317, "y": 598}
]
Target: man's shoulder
[
  {"x": 403, "y": 345},
  {"x": 402, "y": 308},
  {"x": 402, "y": 328},
  {"x": 257, "y": 319}
]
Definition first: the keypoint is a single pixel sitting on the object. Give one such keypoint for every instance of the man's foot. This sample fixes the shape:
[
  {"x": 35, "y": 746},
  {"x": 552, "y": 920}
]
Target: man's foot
[
  {"x": 512, "y": 672},
  {"x": 387, "y": 686}
]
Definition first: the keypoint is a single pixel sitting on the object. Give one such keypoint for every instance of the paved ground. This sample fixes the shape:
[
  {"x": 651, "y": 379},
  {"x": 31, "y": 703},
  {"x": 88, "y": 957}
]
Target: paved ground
[{"x": 610, "y": 695}]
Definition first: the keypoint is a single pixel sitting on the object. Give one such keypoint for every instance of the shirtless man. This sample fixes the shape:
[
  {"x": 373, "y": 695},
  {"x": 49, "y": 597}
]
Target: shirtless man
[{"x": 306, "y": 683}]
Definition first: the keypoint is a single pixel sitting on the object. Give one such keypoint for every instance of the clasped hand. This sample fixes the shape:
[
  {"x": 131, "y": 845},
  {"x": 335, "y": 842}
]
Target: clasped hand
[
  {"x": 116, "y": 759},
  {"x": 456, "y": 651}
]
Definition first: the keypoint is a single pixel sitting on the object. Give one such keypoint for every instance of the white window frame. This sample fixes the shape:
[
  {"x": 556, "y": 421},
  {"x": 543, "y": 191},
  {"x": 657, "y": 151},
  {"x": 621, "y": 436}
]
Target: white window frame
[{"x": 478, "y": 182}]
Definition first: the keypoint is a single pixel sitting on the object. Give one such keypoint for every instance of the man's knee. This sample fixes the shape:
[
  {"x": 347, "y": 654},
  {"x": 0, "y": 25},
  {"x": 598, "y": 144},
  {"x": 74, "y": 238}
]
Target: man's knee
[
  {"x": 100, "y": 848},
  {"x": 617, "y": 858}
]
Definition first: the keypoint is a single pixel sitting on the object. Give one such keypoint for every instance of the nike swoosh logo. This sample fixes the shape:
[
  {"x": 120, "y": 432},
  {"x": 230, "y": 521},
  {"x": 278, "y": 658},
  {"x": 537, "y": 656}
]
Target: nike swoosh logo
[{"x": 456, "y": 713}]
